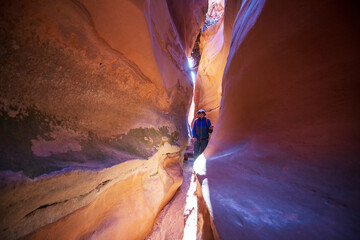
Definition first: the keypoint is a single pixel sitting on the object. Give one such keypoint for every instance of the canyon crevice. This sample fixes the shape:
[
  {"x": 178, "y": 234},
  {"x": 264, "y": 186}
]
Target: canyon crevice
[{"x": 94, "y": 104}]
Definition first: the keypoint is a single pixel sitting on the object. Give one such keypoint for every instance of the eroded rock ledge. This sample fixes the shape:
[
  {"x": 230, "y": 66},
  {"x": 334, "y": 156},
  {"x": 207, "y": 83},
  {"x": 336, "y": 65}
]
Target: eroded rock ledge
[{"x": 121, "y": 201}]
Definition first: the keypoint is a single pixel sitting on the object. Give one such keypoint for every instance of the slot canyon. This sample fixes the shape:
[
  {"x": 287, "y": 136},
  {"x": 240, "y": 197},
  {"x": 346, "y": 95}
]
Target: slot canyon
[{"x": 98, "y": 100}]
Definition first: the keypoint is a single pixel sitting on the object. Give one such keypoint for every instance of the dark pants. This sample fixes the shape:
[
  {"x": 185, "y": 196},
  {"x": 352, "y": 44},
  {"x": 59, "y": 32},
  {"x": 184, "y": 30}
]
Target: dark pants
[{"x": 199, "y": 147}]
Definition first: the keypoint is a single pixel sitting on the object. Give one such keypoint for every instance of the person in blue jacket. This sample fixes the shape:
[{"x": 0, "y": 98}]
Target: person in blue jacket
[{"x": 200, "y": 132}]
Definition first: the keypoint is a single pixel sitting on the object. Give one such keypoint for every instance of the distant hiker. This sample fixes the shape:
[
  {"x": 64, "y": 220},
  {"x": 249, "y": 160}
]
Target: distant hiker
[{"x": 200, "y": 132}]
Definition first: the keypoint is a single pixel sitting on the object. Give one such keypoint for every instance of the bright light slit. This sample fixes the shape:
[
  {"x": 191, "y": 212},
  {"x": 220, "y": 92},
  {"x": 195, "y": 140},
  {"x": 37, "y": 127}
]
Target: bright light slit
[{"x": 190, "y": 212}]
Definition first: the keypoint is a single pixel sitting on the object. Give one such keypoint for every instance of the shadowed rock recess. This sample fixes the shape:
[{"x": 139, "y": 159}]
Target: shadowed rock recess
[{"x": 94, "y": 97}]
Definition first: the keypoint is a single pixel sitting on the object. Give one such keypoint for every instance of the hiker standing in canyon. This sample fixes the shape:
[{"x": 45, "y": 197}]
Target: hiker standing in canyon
[{"x": 200, "y": 132}]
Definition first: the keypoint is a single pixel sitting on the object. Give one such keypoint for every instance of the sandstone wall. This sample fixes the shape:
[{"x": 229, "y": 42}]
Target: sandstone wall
[
  {"x": 188, "y": 16},
  {"x": 215, "y": 44},
  {"x": 85, "y": 87},
  {"x": 283, "y": 159},
  {"x": 65, "y": 89}
]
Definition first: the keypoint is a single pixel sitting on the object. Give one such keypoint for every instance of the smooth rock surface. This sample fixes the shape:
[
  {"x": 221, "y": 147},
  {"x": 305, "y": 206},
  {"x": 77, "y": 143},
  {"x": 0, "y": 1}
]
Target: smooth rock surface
[
  {"x": 188, "y": 16},
  {"x": 215, "y": 44},
  {"x": 283, "y": 159}
]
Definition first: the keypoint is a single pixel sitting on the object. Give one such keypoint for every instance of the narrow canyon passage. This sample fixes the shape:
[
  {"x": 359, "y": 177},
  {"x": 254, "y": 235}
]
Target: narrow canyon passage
[
  {"x": 97, "y": 101},
  {"x": 170, "y": 222}
]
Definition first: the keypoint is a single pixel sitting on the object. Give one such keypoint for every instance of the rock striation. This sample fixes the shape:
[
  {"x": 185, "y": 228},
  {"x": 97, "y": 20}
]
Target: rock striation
[
  {"x": 89, "y": 91},
  {"x": 124, "y": 206}
]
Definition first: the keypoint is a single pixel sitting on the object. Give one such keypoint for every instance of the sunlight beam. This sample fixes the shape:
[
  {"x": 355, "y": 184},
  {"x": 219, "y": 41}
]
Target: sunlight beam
[{"x": 190, "y": 212}]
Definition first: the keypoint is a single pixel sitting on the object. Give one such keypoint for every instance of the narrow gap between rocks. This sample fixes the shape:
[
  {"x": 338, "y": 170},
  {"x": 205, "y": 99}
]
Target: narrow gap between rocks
[{"x": 183, "y": 209}]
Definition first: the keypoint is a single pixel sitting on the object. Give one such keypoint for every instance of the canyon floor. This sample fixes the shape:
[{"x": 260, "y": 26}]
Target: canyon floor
[{"x": 170, "y": 222}]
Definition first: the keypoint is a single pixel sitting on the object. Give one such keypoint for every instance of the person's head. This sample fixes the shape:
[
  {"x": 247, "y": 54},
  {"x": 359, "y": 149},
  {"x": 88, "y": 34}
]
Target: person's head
[{"x": 201, "y": 113}]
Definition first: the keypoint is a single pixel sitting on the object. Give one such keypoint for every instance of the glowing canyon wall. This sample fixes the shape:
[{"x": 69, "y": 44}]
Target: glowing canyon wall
[
  {"x": 214, "y": 47},
  {"x": 283, "y": 161},
  {"x": 89, "y": 91}
]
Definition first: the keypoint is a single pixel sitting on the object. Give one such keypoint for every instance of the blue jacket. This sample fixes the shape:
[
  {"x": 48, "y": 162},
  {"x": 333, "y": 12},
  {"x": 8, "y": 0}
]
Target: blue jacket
[{"x": 202, "y": 129}]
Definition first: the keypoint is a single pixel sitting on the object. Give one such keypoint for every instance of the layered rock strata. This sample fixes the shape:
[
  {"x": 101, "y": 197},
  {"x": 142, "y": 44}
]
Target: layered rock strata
[
  {"x": 89, "y": 91},
  {"x": 72, "y": 97},
  {"x": 123, "y": 206}
]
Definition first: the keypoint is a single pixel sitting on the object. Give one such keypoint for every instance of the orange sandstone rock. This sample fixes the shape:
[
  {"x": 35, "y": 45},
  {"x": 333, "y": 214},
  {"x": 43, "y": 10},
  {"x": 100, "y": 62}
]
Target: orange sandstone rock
[
  {"x": 188, "y": 16},
  {"x": 127, "y": 209},
  {"x": 87, "y": 86},
  {"x": 282, "y": 161}
]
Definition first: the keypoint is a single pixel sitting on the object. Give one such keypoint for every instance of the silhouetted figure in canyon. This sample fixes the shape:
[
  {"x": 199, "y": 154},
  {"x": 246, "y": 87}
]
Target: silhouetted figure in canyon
[{"x": 200, "y": 132}]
